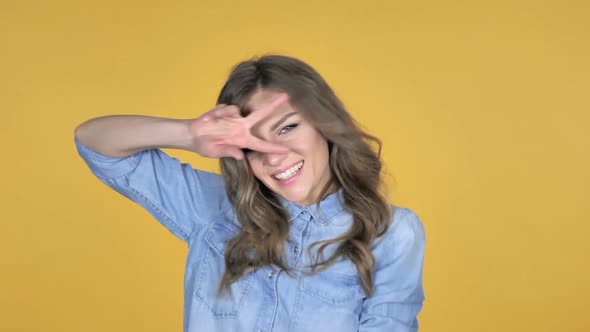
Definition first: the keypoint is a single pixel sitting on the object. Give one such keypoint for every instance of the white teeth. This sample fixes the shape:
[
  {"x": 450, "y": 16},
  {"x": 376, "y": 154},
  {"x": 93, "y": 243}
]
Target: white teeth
[{"x": 290, "y": 172}]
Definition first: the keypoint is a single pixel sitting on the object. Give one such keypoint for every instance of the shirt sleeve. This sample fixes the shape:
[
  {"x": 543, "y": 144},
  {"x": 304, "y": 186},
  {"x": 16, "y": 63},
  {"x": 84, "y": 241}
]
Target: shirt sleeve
[
  {"x": 178, "y": 196},
  {"x": 398, "y": 294}
]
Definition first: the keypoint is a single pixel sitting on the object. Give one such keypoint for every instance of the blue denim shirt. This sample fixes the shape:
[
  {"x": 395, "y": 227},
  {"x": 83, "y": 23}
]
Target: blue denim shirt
[{"x": 193, "y": 205}]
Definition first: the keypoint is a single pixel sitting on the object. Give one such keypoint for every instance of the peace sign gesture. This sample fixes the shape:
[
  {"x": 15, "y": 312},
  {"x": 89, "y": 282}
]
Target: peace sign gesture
[{"x": 223, "y": 132}]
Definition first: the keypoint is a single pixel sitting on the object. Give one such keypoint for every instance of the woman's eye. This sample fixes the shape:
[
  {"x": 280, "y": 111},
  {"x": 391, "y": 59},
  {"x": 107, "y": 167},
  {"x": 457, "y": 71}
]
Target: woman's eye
[{"x": 288, "y": 128}]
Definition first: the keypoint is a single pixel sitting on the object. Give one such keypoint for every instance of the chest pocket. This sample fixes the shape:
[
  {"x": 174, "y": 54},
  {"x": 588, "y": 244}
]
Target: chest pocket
[
  {"x": 333, "y": 288},
  {"x": 210, "y": 270},
  {"x": 330, "y": 300}
]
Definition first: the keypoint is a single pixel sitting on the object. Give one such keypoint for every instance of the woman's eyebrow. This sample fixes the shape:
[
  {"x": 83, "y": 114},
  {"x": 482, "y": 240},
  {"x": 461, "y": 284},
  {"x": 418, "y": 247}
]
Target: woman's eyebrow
[{"x": 278, "y": 123}]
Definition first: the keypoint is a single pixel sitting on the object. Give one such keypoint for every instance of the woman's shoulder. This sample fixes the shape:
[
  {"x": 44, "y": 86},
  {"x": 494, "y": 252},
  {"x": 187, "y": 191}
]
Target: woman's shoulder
[{"x": 405, "y": 226}]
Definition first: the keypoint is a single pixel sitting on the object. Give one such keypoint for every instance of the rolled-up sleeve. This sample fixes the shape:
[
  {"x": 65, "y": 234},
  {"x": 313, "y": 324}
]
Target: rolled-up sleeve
[
  {"x": 398, "y": 292},
  {"x": 178, "y": 196}
]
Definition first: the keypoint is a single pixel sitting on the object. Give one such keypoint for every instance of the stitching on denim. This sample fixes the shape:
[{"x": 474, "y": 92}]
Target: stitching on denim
[
  {"x": 200, "y": 283},
  {"x": 132, "y": 161},
  {"x": 209, "y": 221},
  {"x": 245, "y": 282},
  {"x": 389, "y": 237},
  {"x": 353, "y": 295},
  {"x": 159, "y": 212},
  {"x": 298, "y": 308}
]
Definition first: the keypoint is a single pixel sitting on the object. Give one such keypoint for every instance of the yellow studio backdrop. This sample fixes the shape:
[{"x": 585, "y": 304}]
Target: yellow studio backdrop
[{"x": 482, "y": 106}]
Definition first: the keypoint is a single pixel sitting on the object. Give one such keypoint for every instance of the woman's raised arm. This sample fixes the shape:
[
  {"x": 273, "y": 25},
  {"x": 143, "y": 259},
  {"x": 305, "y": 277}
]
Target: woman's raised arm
[
  {"x": 125, "y": 135},
  {"x": 221, "y": 132}
]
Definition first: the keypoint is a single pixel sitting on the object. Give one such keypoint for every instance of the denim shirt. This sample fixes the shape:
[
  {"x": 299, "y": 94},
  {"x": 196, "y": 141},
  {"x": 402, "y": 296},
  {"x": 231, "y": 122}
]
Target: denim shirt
[{"x": 193, "y": 205}]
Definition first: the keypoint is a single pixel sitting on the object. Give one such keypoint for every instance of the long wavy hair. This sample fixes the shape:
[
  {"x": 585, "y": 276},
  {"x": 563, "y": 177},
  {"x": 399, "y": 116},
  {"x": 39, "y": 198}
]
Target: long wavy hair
[{"x": 354, "y": 163}]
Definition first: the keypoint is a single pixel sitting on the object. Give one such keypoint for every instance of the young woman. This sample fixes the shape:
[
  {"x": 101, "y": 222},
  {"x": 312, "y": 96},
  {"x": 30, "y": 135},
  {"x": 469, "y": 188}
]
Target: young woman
[{"x": 295, "y": 234}]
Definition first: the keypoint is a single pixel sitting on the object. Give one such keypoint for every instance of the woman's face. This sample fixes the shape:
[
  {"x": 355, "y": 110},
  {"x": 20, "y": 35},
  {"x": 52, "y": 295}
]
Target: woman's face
[{"x": 299, "y": 174}]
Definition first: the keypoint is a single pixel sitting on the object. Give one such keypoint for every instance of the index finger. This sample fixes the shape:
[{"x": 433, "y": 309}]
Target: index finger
[
  {"x": 264, "y": 112},
  {"x": 259, "y": 145}
]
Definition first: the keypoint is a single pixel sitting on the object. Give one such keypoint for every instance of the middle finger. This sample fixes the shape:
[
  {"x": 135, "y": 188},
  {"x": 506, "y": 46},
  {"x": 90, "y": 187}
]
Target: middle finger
[{"x": 256, "y": 116}]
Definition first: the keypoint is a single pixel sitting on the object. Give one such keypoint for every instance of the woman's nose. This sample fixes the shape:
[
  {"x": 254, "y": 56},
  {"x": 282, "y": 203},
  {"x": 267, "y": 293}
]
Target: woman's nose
[{"x": 274, "y": 159}]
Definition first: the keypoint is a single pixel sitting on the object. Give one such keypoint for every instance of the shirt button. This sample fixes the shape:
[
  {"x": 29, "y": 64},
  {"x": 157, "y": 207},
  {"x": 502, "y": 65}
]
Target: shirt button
[
  {"x": 270, "y": 274},
  {"x": 295, "y": 249}
]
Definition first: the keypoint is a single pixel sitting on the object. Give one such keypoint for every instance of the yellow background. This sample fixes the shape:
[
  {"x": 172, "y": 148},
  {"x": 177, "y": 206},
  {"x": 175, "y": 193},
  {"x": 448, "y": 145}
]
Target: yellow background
[{"x": 482, "y": 107}]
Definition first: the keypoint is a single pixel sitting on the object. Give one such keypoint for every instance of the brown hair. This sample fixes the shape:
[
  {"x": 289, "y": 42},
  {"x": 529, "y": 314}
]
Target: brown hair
[{"x": 355, "y": 168}]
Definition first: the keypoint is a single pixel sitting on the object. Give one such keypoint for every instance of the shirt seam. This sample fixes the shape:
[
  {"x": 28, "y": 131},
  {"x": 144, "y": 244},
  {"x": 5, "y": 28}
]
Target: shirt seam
[
  {"x": 157, "y": 209},
  {"x": 208, "y": 222},
  {"x": 389, "y": 239},
  {"x": 132, "y": 160}
]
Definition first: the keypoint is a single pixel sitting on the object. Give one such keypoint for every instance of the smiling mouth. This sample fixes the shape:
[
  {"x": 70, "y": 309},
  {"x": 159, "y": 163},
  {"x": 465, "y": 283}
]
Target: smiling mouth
[{"x": 290, "y": 172}]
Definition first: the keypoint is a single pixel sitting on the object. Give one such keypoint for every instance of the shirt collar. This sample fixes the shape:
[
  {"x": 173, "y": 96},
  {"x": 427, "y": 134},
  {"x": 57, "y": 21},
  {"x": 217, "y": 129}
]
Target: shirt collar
[{"x": 328, "y": 208}]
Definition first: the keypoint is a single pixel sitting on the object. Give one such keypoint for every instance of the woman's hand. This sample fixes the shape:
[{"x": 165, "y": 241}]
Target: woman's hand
[{"x": 223, "y": 132}]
